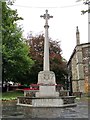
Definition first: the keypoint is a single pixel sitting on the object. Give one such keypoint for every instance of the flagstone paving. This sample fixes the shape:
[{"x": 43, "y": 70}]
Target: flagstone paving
[{"x": 11, "y": 110}]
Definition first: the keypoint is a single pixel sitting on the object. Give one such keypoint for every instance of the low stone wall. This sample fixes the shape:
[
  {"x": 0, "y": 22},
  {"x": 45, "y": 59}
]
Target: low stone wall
[
  {"x": 32, "y": 93},
  {"x": 24, "y": 100},
  {"x": 52, "y": 101},
  {"x": 63, "y": 93},
  {"x": 69, "y": 99},
  {"x": 77, "y": 94}
]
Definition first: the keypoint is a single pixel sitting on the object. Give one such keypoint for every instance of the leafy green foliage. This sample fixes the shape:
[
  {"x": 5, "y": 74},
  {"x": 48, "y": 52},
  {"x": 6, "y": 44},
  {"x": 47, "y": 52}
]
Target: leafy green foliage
[
  {"x": 57, "y": 62},
  {"x": 86, "y": 2},
  {"x": 16, "y": 62}
]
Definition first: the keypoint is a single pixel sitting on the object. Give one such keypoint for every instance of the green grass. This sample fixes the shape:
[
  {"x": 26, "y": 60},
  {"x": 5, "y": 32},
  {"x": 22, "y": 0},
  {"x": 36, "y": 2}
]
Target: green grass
[
  {"x": 83, "y": 98},
  {"x": 11, "y": 95}
]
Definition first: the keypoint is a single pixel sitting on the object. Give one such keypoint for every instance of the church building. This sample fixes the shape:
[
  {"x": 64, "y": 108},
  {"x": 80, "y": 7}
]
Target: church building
[{"x": 79, "y": 67}]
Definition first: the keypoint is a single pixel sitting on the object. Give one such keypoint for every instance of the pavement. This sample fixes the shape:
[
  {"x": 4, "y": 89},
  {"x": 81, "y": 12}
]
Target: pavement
[{"x": 10, "y": 111}]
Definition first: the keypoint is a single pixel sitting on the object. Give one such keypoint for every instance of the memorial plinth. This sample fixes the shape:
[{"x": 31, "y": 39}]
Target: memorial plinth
[{"x": 47, "y": 82}]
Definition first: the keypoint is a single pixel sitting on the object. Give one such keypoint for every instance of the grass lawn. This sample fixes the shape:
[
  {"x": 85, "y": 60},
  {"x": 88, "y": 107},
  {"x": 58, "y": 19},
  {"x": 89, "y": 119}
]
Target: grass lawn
[{"x": 11, "y": 95}]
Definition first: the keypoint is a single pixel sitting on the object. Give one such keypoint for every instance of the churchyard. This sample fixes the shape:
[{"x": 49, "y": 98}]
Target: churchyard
[{"x": 45, "y": 96}]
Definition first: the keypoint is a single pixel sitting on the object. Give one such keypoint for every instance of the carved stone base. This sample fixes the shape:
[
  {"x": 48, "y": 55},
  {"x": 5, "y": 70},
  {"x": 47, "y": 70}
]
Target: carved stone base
[
  {"x": 47, "y": 87},
  {"x": 47, "y": 91},
  {"x": 46, "y": 77}
]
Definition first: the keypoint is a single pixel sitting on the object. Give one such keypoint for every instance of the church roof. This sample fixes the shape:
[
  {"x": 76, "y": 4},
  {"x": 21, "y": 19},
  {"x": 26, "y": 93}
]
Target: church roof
[{"x": 74, "y": 51}]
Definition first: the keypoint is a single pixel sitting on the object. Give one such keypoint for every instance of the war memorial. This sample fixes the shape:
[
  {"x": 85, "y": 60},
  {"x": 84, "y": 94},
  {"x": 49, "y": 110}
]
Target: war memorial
[{"x": 46, "y": 96}]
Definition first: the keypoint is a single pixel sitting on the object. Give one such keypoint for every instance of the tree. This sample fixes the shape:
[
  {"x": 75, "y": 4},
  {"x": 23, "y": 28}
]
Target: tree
[
  {"x": 15, "y": 59},
  {"x": 86, "y": 2},
  {"x": 57, "y": 62}
]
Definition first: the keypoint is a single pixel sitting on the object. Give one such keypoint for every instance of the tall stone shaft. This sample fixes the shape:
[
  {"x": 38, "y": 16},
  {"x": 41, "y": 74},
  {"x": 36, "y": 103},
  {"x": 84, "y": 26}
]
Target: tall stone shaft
[
  {"x": 46, "y": 50},
  {"x": 46, "y": 66}
]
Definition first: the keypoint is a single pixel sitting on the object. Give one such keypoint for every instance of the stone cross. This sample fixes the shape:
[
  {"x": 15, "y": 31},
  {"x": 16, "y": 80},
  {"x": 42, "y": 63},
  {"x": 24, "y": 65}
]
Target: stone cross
[{"x": 46, "y": 42}]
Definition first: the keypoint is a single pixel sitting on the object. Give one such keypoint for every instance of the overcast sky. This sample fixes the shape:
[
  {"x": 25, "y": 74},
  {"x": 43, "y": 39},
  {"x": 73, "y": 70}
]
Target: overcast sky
[{"x": 66, "y": 16}]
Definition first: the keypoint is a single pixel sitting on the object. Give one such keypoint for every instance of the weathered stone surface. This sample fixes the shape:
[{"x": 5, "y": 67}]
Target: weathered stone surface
[
  {"x": 24, "y": 100},
  {"x": 47, "y": 101},
  {"x": 48, "y": 88},
  {"x": 30, "y": 93},
  {"x": 47, "y": 91},
  {"x": 46, "y": 77},
  {"x": 68, "y": 99},
  {"x": 63, "y": 93},
  {"x": 79, "y": 68}
]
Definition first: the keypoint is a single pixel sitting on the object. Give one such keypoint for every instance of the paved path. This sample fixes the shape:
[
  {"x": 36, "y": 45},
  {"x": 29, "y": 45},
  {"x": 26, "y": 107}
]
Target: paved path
[{"x": 11, "y": 111}]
